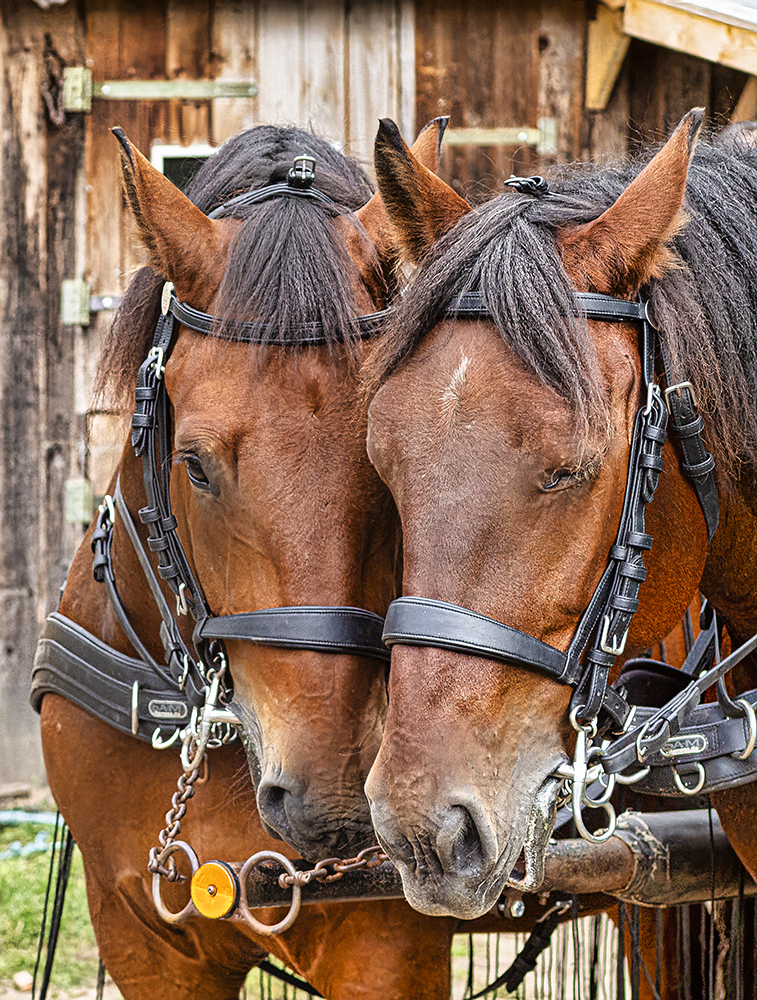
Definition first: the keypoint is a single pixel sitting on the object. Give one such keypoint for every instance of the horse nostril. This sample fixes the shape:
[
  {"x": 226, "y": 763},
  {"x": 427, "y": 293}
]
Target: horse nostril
[
  {"x": 272, "y": 808},
  {"x": 459, "y": 843}
]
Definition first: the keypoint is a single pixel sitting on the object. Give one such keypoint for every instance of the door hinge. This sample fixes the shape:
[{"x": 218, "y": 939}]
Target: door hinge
[
  {"x": 77, "y": 303},
  {"x": 79, "y": 90}
]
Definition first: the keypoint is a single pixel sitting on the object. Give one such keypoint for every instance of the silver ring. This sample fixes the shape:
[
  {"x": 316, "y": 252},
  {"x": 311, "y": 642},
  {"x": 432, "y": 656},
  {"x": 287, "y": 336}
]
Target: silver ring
[
  {"x": 268, "y": 930},
  {"x": 190, "y": 910},
  {"x": 752, "y": 737},
  {"x": 589, "y": 727},
  {"x": 684, "y": 788}
]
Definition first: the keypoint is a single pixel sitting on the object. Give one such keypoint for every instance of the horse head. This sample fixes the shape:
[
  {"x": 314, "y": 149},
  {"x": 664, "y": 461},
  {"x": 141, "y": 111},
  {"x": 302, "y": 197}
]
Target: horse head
[
  {"x": 276, "y": 502},
  {"x": 505, "y": 442}
]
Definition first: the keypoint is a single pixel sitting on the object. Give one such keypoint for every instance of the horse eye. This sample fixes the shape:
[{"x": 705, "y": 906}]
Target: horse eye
[
  {"x": 561, "y": 479},
  {"x": 195, "y": 472}
]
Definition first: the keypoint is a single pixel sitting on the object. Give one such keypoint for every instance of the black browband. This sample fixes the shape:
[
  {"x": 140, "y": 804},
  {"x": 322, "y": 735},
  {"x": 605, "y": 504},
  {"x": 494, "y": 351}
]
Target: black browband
[{"x": 425, "y": 622}]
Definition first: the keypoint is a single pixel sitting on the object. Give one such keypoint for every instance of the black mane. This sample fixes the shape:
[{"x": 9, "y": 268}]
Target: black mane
[
  {"x": 286, "y": 265},
  {"x": 706, "y": 309}
]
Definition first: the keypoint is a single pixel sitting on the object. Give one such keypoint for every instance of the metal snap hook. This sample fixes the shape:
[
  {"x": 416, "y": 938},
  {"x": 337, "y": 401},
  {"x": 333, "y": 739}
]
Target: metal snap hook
[{"x": 578, "y": 788}]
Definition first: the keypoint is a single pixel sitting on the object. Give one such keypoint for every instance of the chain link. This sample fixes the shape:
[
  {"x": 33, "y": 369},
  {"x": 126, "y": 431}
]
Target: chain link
[
  {"x": 196, "y": 739},
  {"x": 172, "y": 829},
  {"x": 332, "y": 869}
]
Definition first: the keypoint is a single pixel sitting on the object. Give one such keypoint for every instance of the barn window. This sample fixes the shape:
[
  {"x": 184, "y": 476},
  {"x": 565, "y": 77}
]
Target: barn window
[{"x": 180, "y": 163}]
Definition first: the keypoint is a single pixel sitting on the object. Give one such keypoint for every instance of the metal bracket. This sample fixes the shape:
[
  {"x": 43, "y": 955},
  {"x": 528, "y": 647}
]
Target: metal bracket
[
  {"x": 77, "y": 88},
  {"x": 77, "y": 304},
  {"x": 79, "y": 504},
  {"x": 544, "y": 136}
]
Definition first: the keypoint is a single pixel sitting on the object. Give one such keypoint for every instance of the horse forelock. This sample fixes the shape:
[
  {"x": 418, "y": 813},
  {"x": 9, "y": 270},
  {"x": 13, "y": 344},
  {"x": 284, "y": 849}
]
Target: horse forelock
[
  {"x": 705, "y": 302},
  {"x": 287, "y": 265}
]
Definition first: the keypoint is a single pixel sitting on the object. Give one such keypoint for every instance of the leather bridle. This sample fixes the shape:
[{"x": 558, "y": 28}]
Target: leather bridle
[
  {"x": 325, "y": 629},
  {"x": 80, "y": 666},
  {"x": 602, "y": 630}
]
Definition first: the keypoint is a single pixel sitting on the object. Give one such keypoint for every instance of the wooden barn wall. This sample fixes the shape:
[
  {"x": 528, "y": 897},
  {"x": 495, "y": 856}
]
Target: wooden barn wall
[
  {"x": 41, "y": 436},
  {"x": 331, "y": 66},
  {"x": 505, "y": 63}
]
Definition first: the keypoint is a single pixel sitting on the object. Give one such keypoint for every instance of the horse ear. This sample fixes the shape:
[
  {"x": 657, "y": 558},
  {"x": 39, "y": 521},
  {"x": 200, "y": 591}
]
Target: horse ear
[
  {"x": 628, "y": 245},
  {"x": 183, "y": 243},
  {"x": 424, "y": 155},
  {"x": 419, "y": 206}
]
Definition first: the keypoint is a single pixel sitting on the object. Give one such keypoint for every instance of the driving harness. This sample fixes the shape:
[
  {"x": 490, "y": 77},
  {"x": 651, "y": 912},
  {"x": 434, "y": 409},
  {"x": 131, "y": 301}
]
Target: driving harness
[{"x": 138, "y": 695}]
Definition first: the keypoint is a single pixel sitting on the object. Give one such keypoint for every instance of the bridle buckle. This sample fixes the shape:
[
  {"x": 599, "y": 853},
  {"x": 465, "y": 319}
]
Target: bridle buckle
[
  {"x": 302, "y": 172},
  {"x": 614, "y": 648},
  {"x": 679, "y": 387}
]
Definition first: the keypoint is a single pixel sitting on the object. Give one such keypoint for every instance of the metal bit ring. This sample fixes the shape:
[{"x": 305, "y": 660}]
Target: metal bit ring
[
  {"x": 189, "y": 910},
  {"x": 268, "y": 930}
]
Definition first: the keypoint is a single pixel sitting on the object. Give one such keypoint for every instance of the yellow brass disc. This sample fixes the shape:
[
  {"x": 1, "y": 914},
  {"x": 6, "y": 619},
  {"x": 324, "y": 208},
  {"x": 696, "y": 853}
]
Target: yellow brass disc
[{"x": 215, "y": 889}]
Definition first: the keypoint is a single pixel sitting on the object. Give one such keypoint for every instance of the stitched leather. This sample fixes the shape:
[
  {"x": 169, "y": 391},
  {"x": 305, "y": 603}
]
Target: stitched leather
[
  {"x": 82, "y": 668},
  {"x": 324, "y": 629},
  {"x": 418, "y": 621}
]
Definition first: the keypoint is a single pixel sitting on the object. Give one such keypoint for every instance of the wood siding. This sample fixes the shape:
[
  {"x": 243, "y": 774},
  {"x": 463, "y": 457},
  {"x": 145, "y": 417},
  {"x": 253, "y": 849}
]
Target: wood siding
[{"x": 513, "y": 64}]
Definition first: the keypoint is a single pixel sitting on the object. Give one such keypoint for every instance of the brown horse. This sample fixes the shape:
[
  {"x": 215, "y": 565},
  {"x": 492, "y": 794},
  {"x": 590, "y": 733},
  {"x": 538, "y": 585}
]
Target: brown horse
[
  {"x": 277, "y": 505},
  {"x": 505, "y": 439}
]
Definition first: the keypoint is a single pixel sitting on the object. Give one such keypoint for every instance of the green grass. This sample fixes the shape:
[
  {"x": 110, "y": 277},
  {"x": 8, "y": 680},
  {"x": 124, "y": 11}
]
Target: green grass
[{"x": 22, "y": 894}]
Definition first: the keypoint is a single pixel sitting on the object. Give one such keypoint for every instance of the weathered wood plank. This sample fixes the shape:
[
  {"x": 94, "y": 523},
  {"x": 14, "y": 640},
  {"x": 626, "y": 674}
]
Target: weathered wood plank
[
  {"x": 406, "y": 97},
  {"x": 373, "y": 73},
  {"x": 234, "y": 34},
  {"x": 729, "y": 44},
  {"x": 561, "y": 45},
  {"x": 323, "y": 100},
  {"x": 40, "y": 439},
  {"x": 188, "y": 58},
  {"x": 746, "y": 109},
  {"x": 479, "y": 63},
  {"x": 280, "y": 58},
  {"x": 606, "y": 49},
  {"x": 22, "y": 313}
]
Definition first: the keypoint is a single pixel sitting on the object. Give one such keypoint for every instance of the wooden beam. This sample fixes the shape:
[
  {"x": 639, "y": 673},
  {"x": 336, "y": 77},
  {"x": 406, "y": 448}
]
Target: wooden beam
[
  {"x": 606, "y": 50},
  {"x": 746, "y": 109},
  {"x": 732, "y": 43}
]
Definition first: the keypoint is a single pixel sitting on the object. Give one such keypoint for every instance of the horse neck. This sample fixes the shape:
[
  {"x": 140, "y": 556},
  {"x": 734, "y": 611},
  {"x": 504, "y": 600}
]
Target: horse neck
[{"x": 86, "y": 601}]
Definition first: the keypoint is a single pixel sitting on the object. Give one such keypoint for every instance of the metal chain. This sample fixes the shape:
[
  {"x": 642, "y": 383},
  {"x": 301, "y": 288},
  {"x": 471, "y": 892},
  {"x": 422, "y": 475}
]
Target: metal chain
[
  {"x": 172, "y": 829},
  {"x": 196, "y": 739},
  {"x": 332, "y": 869}
]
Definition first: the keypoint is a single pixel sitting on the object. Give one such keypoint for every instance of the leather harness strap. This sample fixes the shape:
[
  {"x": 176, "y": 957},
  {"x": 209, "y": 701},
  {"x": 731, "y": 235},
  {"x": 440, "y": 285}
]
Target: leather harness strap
[{"x": 121, "y": 690}]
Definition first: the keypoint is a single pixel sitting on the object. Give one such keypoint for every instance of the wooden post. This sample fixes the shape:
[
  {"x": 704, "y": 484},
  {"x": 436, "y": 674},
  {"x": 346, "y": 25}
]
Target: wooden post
[{"x": 41, "y": 443}]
